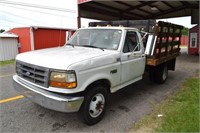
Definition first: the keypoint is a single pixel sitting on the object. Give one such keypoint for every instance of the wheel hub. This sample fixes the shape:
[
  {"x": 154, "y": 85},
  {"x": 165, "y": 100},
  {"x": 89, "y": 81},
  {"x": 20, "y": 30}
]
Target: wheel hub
[
  {"x": 164, "y": 73},
  {"x": 96, "y": 105},
  {"x": 99, "y": 105}
]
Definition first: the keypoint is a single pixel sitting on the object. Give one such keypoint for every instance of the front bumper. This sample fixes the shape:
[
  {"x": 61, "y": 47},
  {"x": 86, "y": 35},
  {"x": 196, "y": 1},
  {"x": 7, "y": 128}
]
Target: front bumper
[{"x": 50, "y": 100}]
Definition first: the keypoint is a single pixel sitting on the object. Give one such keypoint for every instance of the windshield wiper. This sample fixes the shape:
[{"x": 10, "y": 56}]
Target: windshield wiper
[
  {"x": 90, "y": 46},
  {"x": 70, "y": 44}
]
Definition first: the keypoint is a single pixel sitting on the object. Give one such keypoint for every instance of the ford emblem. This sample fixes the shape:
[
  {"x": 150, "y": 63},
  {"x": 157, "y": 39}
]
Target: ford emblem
[{"x": 28, "y": 73}]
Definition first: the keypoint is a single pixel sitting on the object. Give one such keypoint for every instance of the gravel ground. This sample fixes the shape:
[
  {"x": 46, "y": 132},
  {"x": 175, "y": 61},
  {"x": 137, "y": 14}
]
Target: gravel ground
[{"x": 126, "y": 106}]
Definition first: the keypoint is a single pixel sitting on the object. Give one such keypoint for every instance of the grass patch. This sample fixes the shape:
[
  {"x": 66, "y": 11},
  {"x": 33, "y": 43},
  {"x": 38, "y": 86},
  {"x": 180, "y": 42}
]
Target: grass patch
[
  {"x": 2, "y": 63},
  {"x": 180, "y": 112}
]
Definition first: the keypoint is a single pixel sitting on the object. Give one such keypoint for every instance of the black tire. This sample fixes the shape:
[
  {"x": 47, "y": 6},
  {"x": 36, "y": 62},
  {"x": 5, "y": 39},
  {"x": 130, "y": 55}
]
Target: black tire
[
  {"x": 161, "y": 74},
  {"x": 152, "y": 74},
  {"x": 95, "y": 97}
]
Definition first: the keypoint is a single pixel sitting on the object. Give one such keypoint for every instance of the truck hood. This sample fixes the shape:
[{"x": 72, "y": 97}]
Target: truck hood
[{"x": 61, "y": 57}]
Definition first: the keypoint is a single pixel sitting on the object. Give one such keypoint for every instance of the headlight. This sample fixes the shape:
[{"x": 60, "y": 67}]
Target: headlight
[{"x": 63, "y": 79}]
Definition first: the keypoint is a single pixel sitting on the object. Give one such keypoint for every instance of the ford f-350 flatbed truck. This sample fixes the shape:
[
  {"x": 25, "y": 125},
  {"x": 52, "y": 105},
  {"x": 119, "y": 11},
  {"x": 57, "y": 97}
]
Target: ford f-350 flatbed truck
[{"x": 95, "y": 62}]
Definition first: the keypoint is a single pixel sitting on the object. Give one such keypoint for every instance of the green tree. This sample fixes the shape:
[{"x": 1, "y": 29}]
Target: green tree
[
  {"x": 185, "y": 31},
  {"x": 2, "y": 30}
]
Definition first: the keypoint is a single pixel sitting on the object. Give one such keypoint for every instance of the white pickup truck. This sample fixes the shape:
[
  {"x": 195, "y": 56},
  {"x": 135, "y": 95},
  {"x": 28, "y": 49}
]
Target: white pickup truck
[{"x": 79, "y": 76}]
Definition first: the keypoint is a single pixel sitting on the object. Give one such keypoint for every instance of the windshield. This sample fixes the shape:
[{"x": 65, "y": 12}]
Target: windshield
[{"x": 97, "y": 38}]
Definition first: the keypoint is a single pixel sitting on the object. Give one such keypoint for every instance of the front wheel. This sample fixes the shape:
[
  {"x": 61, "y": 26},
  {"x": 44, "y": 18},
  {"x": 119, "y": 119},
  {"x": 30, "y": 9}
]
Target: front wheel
[{"x": 94, "y": 105}]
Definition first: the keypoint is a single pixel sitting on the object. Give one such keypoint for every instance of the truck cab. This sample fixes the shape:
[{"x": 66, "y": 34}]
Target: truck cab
[{"x": 126, "y": 54}]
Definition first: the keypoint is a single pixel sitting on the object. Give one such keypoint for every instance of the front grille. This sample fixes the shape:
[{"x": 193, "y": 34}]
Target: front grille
[{"x": 35, "y": 74}]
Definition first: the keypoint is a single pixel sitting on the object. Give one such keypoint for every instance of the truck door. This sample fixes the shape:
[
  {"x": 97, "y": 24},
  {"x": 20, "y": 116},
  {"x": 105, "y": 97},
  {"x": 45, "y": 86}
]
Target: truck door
[{"x": 132, "y": 58}]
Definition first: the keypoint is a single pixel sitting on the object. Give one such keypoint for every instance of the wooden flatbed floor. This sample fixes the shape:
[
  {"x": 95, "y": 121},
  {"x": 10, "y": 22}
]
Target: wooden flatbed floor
[{"x": 155, "y": 62}]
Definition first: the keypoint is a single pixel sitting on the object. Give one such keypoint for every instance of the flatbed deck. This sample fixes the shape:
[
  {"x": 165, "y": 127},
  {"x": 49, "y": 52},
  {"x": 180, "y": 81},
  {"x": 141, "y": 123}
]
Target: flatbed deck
[{"x": 155, "y": 62}]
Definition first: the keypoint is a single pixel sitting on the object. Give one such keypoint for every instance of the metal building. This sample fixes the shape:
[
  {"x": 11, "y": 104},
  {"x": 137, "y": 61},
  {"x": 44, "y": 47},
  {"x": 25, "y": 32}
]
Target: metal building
[
  {"x": 8, "y": 46},
  {"x": 109, "y": 10},
  {"x": 36, "y": 37},
  {"x": 193, "y": 45}
]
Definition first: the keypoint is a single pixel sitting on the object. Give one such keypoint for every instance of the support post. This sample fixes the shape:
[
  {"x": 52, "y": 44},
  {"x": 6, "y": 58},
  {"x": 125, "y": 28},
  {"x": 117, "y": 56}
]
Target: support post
[{"x": 79, "y": 18}]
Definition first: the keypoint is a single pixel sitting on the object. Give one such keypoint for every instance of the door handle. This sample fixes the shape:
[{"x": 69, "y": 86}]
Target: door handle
[{"x": 136, "y": 55}]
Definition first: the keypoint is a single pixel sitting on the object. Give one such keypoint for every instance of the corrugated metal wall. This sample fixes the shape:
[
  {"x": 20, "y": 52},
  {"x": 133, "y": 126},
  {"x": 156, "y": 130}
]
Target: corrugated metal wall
[
  {"x": 24, "y": 38},
  {"x": 47, "y": 38},
  {"x": 34, "y": 38},
  {"x": 184, "y": 40},
  {"x": 8, "y": 48}
]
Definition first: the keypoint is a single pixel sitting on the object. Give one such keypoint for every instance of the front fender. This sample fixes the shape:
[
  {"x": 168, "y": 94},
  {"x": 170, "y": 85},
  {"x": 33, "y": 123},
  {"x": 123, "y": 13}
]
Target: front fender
[
  {"x": 101, "y": 77},
  {"x": 89, "y": 78}
]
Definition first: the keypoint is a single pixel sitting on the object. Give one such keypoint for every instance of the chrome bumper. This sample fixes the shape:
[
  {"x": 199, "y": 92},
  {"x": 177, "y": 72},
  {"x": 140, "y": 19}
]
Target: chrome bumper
[{"x": 47, "y": 99}]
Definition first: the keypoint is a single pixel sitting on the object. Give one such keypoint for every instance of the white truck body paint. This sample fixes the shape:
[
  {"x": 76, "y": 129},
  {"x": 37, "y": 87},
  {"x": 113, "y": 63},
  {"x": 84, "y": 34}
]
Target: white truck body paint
[{"x": 91, "y": 64}]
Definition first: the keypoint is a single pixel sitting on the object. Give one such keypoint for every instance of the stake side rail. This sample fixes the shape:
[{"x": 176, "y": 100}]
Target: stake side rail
[{"x": 167, "y": 44}]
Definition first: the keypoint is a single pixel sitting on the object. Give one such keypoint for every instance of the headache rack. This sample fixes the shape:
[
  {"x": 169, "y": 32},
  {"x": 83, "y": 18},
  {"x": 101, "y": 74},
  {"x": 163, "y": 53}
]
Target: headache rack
[{"x": 144, "y": 25}]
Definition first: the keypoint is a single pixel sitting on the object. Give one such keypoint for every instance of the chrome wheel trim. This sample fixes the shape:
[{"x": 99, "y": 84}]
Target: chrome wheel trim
[
  {"x": 96, "y": 106},
  {"x": 165, "y": 73}
]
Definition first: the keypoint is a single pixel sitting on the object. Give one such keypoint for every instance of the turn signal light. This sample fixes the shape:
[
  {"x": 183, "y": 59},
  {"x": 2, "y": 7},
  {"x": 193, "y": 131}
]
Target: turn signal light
[{"x": 63, "y": 84}]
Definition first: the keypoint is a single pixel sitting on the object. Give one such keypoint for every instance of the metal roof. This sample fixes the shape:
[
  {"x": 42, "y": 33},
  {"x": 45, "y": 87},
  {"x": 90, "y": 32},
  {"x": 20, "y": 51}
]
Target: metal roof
[
  {"x": 8, "y": 35},
  {"x": 136, "y": 10},
  {"x": 53, "y": 28},
  {"x": 46, "y": 27}
]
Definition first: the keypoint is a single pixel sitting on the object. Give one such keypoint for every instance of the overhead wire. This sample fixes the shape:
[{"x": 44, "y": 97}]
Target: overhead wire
[
  {"x": 33, "y": 8},
  {"x": 22, "y": 17},
  {"x": 16, "y": 22},
  {"x": 17, "y": 7},
  {"x": 37, "y": 6}
]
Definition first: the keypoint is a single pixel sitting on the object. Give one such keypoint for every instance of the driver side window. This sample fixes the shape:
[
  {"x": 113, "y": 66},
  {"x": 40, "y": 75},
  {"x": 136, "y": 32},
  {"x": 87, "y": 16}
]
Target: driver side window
[{"x": 131, "y": 42}]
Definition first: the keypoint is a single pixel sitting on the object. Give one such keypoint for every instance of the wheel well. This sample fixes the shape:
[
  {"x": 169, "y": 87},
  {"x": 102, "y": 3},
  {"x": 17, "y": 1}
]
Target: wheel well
[{"x": 101, "y": 82}]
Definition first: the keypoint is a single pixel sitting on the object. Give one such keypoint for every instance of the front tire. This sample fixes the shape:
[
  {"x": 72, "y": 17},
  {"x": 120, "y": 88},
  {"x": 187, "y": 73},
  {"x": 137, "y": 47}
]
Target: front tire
[{"x": 94, "y": 105}]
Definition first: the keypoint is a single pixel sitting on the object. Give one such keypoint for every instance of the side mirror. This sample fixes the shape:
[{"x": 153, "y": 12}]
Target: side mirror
[{"x": 150, "y": 45}]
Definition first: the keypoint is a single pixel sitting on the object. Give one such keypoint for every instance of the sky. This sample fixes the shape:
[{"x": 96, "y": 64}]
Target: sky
[{"x": 50, "y": 13}]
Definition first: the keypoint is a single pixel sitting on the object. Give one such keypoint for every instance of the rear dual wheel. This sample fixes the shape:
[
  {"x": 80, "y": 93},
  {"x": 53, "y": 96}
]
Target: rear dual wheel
[{"x": 159, "y": 74}]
